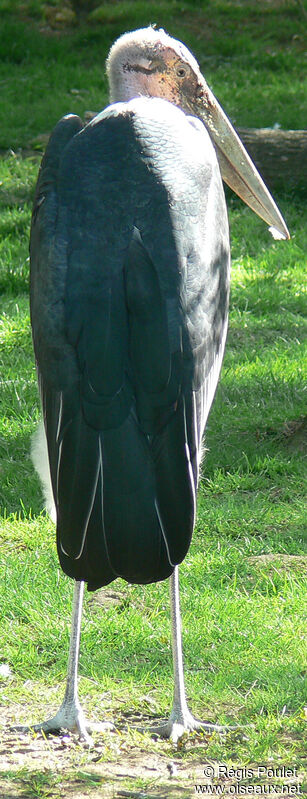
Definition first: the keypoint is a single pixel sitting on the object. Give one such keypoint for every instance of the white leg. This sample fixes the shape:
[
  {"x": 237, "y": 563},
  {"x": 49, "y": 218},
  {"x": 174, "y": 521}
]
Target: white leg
[
  {"x": 180, "y": 719},
  {"x": 71, "y": 691},
  {"x": 70, "y": 715},
  {"x": 180, "y": 709}
]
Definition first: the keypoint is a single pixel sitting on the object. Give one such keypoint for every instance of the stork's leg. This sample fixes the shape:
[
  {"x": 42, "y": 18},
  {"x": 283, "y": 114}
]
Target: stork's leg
[
  {"x": 70, "y": 715},
  {"x": 180, "y": 719}
]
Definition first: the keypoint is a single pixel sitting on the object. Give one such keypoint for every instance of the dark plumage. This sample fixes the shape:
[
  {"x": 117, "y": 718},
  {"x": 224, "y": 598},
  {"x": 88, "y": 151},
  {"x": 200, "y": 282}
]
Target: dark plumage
[{"x": 128, "y": 314}]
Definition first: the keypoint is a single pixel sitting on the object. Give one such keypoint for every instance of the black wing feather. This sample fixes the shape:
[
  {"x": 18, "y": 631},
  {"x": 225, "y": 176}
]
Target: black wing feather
[{"x": 128, "y": 281}]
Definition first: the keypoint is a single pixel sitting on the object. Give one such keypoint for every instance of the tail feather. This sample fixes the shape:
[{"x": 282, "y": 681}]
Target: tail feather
[
  {"x": 175, "y": 486},
  {"x": 134, "y": 539},
  {"x": 77, "y": 478},
  {"x": 125, "y": 501},
  {"x": 93, "y": 565}
]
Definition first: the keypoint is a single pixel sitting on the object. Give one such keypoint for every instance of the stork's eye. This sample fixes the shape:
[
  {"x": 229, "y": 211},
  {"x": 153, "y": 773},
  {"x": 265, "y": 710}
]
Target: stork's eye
[{"x": 181, "y": 72}]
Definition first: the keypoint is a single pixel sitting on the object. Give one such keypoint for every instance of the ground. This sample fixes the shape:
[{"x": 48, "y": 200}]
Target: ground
[
  {"x": 31, "y": 766},
  {"x": 60, "y": 766}
]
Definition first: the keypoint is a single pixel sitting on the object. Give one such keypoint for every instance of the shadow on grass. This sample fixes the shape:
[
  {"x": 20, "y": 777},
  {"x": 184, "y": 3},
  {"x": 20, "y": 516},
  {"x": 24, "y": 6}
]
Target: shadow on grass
[
  {"x": 27, "y": 783},
  {"x": 265, "y": 294},
  {"x": 20, "y": 489},
  {"x": 15, "y": 197}
]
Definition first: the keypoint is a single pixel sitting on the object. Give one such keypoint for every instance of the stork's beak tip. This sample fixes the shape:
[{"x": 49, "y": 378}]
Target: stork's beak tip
[{"x": 278, "y": 235}]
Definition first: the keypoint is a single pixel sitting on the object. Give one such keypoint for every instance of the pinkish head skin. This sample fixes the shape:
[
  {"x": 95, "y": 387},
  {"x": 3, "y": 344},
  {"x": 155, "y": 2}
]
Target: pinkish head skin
[{"x": 149, "y": 63}]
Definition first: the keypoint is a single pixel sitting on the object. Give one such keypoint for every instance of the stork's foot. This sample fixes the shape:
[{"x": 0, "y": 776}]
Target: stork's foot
[
  {"x": 69, "y": 717},
  {"x": 181, "y": 722}
]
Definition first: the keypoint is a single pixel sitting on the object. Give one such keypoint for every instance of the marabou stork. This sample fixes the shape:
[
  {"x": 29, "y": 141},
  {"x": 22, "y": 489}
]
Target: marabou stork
[{"x": 129, "y": 302}]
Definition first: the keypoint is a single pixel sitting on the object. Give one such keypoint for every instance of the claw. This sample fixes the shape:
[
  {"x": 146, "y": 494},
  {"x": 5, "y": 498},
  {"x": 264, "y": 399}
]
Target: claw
[
  {"x": 179, "y": 724},
  {"x": 70, "y": 718}
]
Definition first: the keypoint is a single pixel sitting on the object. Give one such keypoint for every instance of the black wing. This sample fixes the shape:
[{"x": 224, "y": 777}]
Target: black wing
[{"x": 129, "y": 296}]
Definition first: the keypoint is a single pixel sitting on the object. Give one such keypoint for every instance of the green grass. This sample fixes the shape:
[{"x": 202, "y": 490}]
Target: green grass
[
  {"x": 252, "y": 55},
  {"x": 243, "y": 615}
]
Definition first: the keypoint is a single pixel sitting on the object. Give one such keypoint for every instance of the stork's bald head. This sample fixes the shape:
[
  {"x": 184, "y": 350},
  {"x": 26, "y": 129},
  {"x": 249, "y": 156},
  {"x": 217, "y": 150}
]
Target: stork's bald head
[{"x": 149, "y": 63}]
